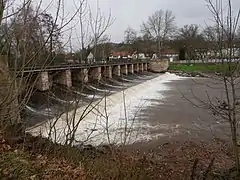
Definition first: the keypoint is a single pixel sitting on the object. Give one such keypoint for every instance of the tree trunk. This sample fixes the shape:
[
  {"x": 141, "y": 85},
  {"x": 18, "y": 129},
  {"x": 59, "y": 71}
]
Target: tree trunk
[
  {"x": 1, "y": 10},
  {"x": 9, "y": 106},
  {"x": 235, "y": 146}
]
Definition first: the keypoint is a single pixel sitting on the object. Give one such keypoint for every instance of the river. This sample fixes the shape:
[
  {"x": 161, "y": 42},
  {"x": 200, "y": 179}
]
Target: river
[{"x": 112, "y": 119}]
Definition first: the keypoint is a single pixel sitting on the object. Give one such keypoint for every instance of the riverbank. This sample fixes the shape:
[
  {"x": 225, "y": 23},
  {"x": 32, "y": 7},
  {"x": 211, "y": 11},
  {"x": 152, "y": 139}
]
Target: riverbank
[
  {"x": 38, "y": 158},
  {"x": 212, "y": 68}
]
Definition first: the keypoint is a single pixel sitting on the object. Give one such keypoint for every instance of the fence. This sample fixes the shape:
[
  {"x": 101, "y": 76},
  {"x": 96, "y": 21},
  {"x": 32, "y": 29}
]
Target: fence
[{"x": 204, "y": 61}]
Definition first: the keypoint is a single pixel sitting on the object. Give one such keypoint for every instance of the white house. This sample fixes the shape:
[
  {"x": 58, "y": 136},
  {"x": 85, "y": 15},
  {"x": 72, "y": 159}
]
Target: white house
[{"x": 90, "y": 58}]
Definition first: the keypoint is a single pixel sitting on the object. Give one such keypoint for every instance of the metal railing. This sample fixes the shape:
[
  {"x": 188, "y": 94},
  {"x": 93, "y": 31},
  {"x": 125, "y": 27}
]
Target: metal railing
[{"x": 79, "y": 65}]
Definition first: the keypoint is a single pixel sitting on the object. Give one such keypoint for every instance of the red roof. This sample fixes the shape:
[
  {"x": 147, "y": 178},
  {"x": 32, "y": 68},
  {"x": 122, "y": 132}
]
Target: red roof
[{"x": 120, "y": 54}]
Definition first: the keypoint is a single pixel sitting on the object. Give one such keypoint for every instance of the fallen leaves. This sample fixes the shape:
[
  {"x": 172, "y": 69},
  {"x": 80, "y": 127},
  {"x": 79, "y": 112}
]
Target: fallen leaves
[
  {"x": 3, "y": 144},
  {"x": 177, "y": 159},
  {"x": 18, "y": 164},
  {"x": 172, "y": 160}
]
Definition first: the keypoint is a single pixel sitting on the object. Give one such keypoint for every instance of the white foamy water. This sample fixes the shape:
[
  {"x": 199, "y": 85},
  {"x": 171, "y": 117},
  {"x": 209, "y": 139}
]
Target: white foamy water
[
  {"x": 91, "y": 96},
  {"x": 46, "y": 111},
  {"x": 100, "y": 90},
  {"x": 112, "y": 119}
]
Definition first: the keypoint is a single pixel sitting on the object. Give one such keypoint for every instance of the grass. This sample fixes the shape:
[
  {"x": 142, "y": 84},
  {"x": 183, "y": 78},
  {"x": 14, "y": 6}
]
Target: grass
[
  {"x": 206, "y": 68},
  {"x": 19, "y": 165}
]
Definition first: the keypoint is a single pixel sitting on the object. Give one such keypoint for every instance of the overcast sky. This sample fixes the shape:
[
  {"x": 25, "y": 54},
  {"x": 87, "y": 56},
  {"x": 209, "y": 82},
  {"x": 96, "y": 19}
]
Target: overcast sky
[{"x": 133, "y": 12}]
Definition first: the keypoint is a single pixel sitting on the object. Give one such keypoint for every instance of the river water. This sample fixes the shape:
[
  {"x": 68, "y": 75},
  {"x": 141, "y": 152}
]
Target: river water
[{"x": 107, "y": 113}]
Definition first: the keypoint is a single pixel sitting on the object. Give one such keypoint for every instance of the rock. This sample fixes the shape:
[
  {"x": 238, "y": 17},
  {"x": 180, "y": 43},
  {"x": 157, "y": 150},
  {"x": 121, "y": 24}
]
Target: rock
[
  {"x": 194, "y": 74},
  {"x": 160, "y": 65}
]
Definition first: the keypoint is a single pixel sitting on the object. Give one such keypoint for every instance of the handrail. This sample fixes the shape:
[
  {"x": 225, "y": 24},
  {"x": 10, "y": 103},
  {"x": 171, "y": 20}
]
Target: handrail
[{"x": 79, "y": 65}]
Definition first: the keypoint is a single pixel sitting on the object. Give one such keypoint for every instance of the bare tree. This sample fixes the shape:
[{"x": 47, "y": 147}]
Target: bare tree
[
  {"x": 189, "y": 31},
  {"x": 130, "y": 35},
  {"x": 160, "y": 26},
  {"x": 83, "y": 38},
  {"x": 238, "y": 33},
  {"x": 64, "y": 128},
  {"x": 99, "y": 23},
  {"x": 211, "y": 35},
  {"x": 224, "y": 107},
  {"x": 191, "y": 39},
  {"x": 227, "y": 28},
  {"x": 2, "y": 7},
  {"x": 27, "y": 33}
]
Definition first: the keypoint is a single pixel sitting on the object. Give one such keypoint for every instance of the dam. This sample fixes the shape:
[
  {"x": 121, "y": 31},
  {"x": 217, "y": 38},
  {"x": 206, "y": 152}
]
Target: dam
[
  {"x": 106, "y": 113},
  {"x": 99, "y": 104}
]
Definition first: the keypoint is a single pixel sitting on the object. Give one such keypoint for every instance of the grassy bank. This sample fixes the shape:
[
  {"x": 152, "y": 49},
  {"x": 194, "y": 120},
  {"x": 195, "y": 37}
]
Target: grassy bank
[{"x": 206, "y": 68}]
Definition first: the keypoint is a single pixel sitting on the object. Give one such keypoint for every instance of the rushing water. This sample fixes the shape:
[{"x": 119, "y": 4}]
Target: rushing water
[{"x": 108, "y": 119}]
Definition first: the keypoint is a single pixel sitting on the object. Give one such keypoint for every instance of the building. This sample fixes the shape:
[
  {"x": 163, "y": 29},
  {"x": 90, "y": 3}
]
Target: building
[
  {"x": 120, "y": 55},
  {"x": 127, "y": 55},
  {"x": 170, "y": 54},
  {"x": 90, "y": 58}
]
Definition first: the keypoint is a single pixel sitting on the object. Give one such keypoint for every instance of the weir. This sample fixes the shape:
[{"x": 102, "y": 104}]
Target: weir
[
  {"x": 116, "y": 70},
  {"x": 130, "y": 69},
  {"x": 118, "y": 117},
  {"x": 43, "y": 82},
  {"x": 141, "y": 69},
  {"x": 124, "y": 69},
  {"x": 107, "y": 72},
  {"x": 44, "y": 79},
  {"x": 65, "y": 78},
  {"x": 136, "y": 67},
  {"x": 95, "y": 74},
  {"x": 83, "y": 74}
]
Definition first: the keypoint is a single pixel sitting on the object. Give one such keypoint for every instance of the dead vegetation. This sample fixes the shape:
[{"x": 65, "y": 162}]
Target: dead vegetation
[{"x": 38, "y": 158}]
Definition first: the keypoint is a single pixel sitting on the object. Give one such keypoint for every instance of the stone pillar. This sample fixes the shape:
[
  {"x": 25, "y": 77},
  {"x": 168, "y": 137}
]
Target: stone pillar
[
  {"x": 65, "y": 78},
  {"x": 130, "y": 69},
  {"x": 108, "y": 71},
  {"x": 95, "y": 73},
  {"x": 136, "y": 67},
  {"x": 116, "y": 70},
  {"x": 141, "y": 67},
  {"x": 83, "y": 75},
  {"x": 145, "y": 66},
  {"x": 43, "y": 82},
  {"x": 124, "y": 69}
]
